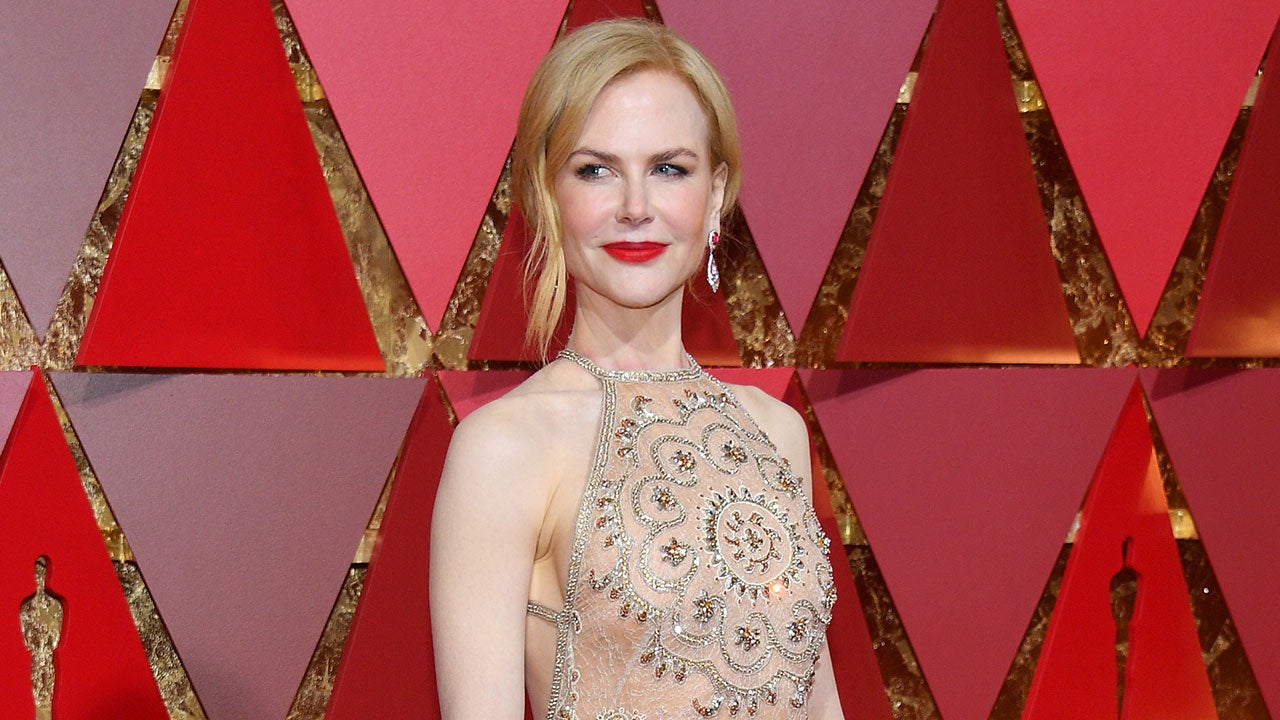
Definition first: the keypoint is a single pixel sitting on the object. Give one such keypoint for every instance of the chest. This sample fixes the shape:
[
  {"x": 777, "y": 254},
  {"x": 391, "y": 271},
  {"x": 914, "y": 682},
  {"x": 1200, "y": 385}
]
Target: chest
[
  {"x": 698, "y": 556},
  {"x": 686, "y": 492}
]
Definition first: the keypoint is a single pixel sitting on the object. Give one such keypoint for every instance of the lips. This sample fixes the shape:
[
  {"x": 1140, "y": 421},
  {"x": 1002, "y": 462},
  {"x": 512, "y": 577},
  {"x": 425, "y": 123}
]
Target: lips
[{"x": 635, "y": 252}]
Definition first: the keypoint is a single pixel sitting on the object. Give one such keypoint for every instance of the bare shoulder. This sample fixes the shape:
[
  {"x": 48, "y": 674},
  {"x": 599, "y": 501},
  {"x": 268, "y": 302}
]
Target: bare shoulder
[
  {"x": 777, "y": 419},
  {"x": 531, "y": 427}
]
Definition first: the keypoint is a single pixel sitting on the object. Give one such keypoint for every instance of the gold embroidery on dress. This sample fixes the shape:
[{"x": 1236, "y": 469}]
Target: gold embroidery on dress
[
  {"x": 699, "y": 580},
  {"x": 539, "y": 610},
  {"x": 620, "y": 715}
]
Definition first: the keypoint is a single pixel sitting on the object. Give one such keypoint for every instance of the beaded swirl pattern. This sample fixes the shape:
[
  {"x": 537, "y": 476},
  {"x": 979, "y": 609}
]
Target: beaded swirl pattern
[{"x": 700, "y": 584}]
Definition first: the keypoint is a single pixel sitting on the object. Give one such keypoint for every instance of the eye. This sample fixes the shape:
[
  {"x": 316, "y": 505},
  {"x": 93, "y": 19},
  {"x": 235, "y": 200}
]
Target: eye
[
  {"x": 591, "y": 171},
  {"x": 671, "y": 170}
]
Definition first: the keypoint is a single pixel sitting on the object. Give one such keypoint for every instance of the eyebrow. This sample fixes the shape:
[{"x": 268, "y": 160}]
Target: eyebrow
[{"x": 664, "y": 156}]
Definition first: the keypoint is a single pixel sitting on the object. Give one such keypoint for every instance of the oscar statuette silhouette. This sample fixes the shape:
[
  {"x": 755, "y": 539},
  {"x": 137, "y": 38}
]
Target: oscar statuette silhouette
[
  {"x": 41, "y": 618},
  {"x": 1124, "y": 599}
]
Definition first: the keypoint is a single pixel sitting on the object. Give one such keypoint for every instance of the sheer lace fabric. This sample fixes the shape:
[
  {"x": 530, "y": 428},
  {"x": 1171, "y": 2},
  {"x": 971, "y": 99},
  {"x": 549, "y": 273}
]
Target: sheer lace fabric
[{"x": 700, "y": 584}]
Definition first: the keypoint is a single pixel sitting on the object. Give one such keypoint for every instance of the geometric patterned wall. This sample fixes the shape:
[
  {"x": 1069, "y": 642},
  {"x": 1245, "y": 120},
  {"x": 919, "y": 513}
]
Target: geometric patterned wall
[{"x": 1013, "y": 261}]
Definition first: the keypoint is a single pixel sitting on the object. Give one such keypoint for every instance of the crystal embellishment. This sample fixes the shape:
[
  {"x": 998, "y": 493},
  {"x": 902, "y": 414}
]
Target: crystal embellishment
[
  {"x": 747, "y": 637},
  {"x": 683, "y": 461},
  {"x": 733, "y": 452},
  {"x": 675, "y": 552}
]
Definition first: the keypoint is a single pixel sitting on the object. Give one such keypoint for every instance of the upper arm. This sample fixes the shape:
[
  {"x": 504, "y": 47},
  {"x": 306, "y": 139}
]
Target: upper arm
[{"x": 484, "y": 530}]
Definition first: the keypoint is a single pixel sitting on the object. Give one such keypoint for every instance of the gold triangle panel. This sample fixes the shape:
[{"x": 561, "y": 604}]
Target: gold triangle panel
[
  {"x": 171, "y": 678},
  {"x": 19, "y": 347},
  {"x": 458, "y": 326},
  {"x": 398, "y": 325}
]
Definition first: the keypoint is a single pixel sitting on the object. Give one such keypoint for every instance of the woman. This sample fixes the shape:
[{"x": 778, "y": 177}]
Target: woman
[{"x": 618, "y": 536}]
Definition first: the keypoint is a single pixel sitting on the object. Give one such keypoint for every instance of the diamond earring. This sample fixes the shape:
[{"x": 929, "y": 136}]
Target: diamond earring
[{"x": 713, "y": 272}]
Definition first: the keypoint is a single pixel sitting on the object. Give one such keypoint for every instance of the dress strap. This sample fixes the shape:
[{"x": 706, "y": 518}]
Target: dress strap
[
  {"x": 693, "y": 371},
  {"x": 539, "y": 610}
]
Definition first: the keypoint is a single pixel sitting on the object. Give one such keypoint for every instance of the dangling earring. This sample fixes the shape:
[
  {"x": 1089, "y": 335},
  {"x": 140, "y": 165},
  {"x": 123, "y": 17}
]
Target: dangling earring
[{"x": 713, "y": 272}]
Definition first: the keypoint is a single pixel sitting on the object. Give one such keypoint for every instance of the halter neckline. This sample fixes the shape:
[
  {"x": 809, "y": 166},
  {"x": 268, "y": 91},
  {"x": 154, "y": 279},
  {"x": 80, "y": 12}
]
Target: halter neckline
[{"x": 689, "y": 373}]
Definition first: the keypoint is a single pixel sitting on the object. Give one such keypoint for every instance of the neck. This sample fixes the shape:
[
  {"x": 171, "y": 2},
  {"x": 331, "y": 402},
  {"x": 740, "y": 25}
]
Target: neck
[{"x": 622, "y": 338}]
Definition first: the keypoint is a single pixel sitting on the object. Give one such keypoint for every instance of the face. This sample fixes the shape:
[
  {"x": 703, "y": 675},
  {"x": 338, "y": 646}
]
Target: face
[{"x": 639, "y": 193}]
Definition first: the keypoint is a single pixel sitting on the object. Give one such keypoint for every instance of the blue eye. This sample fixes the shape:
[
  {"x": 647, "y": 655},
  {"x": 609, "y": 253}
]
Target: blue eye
[
  {"x": 671, "y": 169},
  {"x": 591, "y": 171}
]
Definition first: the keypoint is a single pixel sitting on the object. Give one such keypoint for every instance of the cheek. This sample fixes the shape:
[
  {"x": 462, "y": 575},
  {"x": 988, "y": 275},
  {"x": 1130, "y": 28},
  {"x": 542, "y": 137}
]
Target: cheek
[
  {"x": 693, "y": 212},
  {"x": 575, "y": 232},
  {"x": 580, "y": 217}
]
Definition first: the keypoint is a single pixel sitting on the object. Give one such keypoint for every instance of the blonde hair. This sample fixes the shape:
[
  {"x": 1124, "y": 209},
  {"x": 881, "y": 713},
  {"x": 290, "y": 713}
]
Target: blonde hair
[{"x": 560, "y": 95}]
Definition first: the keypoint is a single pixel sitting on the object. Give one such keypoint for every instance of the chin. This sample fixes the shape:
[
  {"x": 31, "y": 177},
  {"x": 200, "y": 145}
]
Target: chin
[
  {"x": 640, "y": 298},
  {"x": 645, "y": 302}
]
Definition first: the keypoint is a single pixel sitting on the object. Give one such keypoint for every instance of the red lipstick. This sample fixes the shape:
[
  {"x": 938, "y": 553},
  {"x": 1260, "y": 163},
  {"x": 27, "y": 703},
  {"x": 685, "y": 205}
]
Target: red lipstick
[{"x": 635, "y": 252}]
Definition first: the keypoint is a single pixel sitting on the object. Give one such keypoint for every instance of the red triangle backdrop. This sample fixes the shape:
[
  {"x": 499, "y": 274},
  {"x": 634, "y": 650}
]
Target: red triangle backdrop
[
  {"x": 1077, "y": 674},
  {"x": 13, "y": 386},
  {"x": 72, "y": 76},
  {"x": 582, "y": 12},
  {"x": 959, "y": 267},
  {"x": 500, "y": 327},
  {"x": 1144, "y": 95},
  {"x": 388, "y": 669},
  {"x": 1220, "y": 429},
  {"x": 46, "y": 513},
  {"x": 272, "y": 481},
  {"x": 229, "y": 254},
  {"x": 966, "y": 482},
  {"x": 427, "y": 98},
  {"x": 1239, "y": 313}
]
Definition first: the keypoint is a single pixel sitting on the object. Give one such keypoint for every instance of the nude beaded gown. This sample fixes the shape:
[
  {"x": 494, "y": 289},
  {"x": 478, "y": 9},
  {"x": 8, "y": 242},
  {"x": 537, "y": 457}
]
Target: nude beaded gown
[{"x": 700, "y": 584}]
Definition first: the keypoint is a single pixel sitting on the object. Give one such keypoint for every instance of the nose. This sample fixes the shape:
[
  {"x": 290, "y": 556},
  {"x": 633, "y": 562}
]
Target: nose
[{"x": 633, "y": 208}]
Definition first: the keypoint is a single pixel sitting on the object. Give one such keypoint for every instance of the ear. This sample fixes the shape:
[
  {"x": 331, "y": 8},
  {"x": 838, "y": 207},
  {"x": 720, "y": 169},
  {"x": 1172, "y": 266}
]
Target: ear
[{"x": 716, "y": 201}]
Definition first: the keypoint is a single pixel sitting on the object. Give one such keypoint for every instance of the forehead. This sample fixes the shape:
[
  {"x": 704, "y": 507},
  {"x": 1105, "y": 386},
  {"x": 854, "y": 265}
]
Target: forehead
[{"x": 649, "y": 107}]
